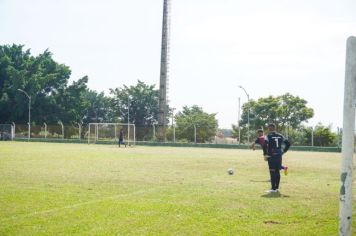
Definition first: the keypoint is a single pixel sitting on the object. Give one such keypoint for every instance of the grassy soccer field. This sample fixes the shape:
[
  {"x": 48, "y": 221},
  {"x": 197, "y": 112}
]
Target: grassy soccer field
[{"x": 65, "y": 189}]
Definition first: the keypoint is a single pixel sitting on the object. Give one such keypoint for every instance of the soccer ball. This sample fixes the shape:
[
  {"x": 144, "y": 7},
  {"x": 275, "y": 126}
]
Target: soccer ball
[{"x": 230, "y": 171}]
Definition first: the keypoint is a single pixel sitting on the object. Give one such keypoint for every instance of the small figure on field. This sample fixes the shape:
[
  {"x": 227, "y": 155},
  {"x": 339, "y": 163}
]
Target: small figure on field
[{"x": 121, "y": 138}]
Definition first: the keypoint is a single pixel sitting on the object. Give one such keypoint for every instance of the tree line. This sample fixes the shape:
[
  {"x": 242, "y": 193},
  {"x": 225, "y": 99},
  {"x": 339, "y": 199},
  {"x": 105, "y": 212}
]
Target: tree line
[
  {"x": 290, "y": 114},
  {"x": 55, "y": 99}
]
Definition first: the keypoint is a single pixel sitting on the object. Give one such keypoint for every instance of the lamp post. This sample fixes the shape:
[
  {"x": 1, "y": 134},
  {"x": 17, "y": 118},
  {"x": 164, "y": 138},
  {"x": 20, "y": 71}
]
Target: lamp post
[
  {"x": 128, "y": 120},
  {"x": 29, "y": 112},
  {"x": 248, "y": 113},
  {"x": 238, "y": 122}
]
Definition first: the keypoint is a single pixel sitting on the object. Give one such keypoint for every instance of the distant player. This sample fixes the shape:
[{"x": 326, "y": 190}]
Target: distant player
[
  {"x": 121, "y": 138},
  {"x": 275, "y": 150},
  {"x": 261, "y": 140}
]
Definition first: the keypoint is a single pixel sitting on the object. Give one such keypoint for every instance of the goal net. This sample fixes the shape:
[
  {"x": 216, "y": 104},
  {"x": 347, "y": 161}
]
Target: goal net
[
  {"x": 110, "y": 132},
  {"x": 7, "y": 132}
]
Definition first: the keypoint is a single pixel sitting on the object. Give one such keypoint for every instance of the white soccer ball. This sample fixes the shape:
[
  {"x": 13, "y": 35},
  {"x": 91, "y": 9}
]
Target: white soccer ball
[{"x": 230, "y": 171}]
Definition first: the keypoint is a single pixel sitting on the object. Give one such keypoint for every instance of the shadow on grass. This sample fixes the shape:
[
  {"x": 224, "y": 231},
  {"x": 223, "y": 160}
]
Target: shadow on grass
[
  {"x": 260, "y": 181},
  {"x": 275, "y": 195}
]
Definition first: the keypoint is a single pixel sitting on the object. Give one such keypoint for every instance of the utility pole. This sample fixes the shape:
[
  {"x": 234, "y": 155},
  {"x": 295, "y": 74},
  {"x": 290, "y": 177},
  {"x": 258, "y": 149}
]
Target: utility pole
[{"x": 163, "y": 104}]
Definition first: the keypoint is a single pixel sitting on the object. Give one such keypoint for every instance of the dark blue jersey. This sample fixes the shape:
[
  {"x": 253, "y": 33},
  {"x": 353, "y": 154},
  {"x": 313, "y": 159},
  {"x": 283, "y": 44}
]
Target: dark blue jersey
[
  {"x": 121, "y": 135},
  {"x": 276, "y": 144}
]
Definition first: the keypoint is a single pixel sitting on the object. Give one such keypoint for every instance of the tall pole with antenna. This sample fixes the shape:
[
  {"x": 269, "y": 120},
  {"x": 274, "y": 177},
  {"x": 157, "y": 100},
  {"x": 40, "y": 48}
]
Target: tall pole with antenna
[{"x": 163, "y": 104}]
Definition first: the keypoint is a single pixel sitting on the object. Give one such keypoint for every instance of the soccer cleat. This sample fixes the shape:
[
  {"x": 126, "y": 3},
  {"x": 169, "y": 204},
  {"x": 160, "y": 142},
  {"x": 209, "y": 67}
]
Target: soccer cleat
[
  {"x": 286, "y": 170},
  {"x": 271, "y": 191}
]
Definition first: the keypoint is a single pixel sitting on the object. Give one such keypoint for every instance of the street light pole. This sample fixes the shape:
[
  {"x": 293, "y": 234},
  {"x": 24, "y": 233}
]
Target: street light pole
[
  {"x": 29, "y": 112},
  {"x": 238, "y": 122},
  {"x": 248, "y": 113},
  {"x": 128, "y": 120}
]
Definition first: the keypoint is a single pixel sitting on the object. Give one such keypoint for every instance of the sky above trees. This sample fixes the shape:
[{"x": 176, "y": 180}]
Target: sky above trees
[{"x": 270, "y": 48}]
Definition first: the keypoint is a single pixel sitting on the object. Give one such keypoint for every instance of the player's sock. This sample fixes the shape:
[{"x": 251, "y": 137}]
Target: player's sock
[
  {"x": 286, "y": 170},
  {"x": 278, "y": 179},
  {"x": 273, "y": 179}
]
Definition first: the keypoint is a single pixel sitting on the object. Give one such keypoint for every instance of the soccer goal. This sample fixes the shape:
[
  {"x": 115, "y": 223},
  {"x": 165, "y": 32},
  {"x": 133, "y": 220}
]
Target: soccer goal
[
  {"x": 7, "y": 132},
  {"x": 110, "y": 132}
]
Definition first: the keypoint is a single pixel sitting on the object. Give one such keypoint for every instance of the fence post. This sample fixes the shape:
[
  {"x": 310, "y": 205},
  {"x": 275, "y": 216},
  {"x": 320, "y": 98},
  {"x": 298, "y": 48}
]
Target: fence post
[
  {"x": 96, "y": 132},
  {"x": 116, "y": 133},
  {"x": 13, "y": 131},
  {"x": 195, "y": 134},
  {"x": 88, "y": 133},
  {"x": 134, "y": 134},
  {"x": 174, "y": 133},
  {"x": 60, "y": 122},
  {"x": 80, "y": 131},
  {"x": 45, "y": 125},
  {"x": 154, "y": 132}
]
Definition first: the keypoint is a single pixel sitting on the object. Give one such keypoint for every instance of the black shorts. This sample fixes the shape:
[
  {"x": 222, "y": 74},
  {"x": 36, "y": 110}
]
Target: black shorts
[{"x": 275, "y": 162}]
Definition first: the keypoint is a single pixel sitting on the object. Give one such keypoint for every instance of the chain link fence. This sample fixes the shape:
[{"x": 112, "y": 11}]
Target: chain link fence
[{"x": 155, "y": 133}]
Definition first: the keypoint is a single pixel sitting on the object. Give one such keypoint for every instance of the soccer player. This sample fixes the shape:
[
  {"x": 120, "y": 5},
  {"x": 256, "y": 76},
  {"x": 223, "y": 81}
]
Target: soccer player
[
  {"x": 261, "y": 141},
  {"x": 274, "y": 143},
  {"x": 121, "y": 138}
]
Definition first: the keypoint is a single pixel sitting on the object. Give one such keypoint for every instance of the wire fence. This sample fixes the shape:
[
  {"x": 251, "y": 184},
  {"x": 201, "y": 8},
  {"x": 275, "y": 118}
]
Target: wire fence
[{"x": 154, "y": 133}]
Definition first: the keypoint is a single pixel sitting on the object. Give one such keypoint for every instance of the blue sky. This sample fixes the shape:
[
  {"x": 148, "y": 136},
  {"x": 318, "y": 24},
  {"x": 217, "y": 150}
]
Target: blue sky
[{"x": 269, "y": 47}]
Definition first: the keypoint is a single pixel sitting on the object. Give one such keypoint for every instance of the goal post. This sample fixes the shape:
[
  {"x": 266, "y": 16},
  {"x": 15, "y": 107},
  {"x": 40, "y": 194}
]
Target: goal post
[
  {"x": 110, "y": 132},
  {"x": 348, "y": 136},
  {"x": 7, "y": 132}
]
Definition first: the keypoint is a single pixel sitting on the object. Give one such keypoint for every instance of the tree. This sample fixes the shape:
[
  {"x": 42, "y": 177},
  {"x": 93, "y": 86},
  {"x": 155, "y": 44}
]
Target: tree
[
  {"x": 141, "y": 99},
  {"x": 205, "y": 123},
  {"x": 99, "y": 109},
  {"x": 43, "y": 79},
  {"x": 323, "y": 136},
  {"x": 285, "y": 111},
  {"x": 71, "y": 102}
]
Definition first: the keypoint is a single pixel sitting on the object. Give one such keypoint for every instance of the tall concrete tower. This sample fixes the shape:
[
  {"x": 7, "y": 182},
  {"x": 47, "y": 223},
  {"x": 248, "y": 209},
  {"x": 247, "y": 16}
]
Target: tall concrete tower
[{"x": 163, "y": 82}]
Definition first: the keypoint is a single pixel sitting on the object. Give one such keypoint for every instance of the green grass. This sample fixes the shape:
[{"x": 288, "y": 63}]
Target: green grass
[{"x": 78, "y": 189}]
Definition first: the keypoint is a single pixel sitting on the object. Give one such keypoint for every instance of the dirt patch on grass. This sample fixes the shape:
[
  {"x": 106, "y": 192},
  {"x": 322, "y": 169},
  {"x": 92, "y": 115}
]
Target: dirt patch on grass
[{"x": 272, "y": 222}]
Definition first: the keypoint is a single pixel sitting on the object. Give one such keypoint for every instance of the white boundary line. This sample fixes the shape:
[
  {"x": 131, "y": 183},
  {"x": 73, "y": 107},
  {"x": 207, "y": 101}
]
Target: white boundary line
[
  {"x": 77, "y": 205},
  {"x": 15, "y": 217}
]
